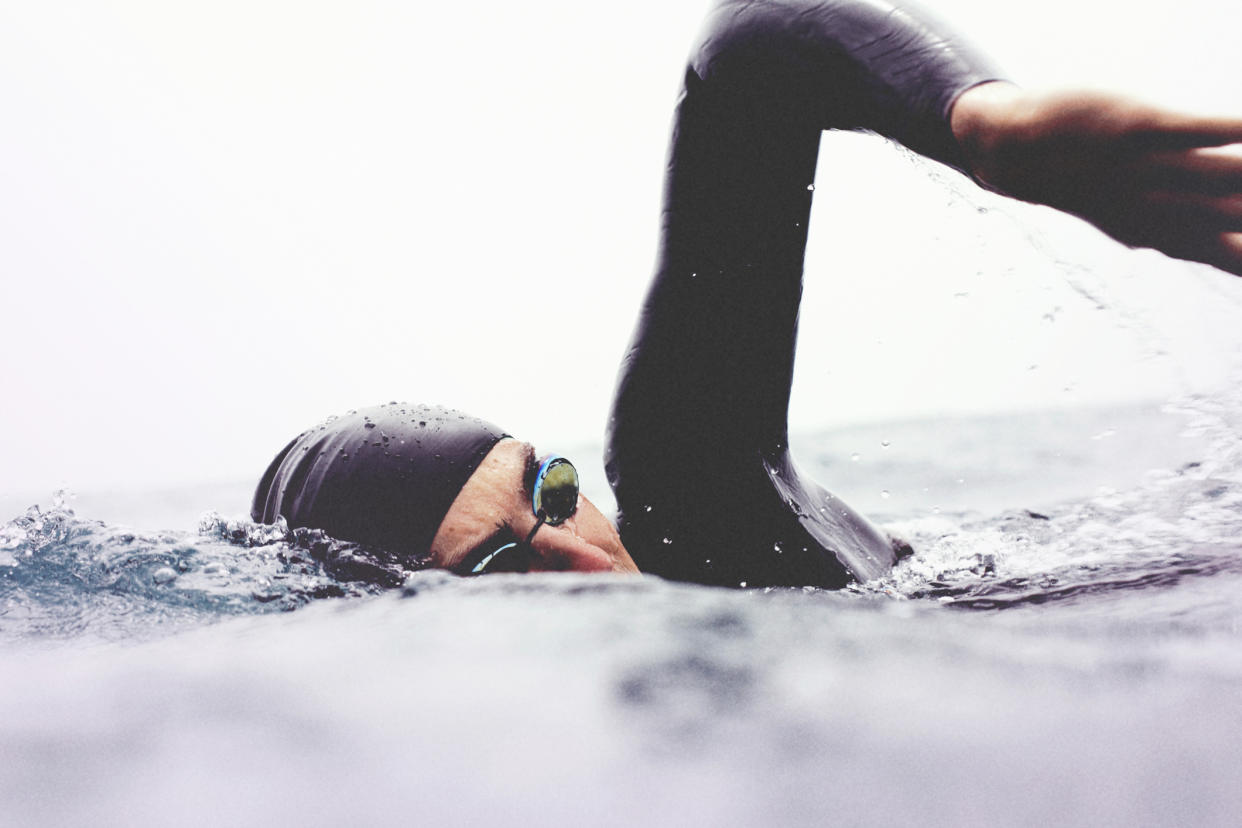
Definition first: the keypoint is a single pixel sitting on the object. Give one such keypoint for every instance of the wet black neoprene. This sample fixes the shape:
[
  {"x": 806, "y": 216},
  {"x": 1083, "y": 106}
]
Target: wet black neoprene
[
  {"x": 383, "y": 476},
  {"x": 697, "y": 449}
]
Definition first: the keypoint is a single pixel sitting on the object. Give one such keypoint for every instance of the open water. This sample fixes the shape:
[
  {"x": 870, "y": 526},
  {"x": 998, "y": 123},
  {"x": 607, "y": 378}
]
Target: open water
[{"x": 1064, "y": 647}]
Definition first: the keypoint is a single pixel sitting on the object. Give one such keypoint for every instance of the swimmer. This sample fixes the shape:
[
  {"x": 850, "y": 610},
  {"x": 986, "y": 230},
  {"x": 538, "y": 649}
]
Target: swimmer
[{"x": 697, "y": 449}]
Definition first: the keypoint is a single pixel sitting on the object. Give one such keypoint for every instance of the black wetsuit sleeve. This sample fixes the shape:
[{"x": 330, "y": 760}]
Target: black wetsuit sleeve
[
  {"x": 697, "y": 448},
  {"x": 889, "y": 67}
]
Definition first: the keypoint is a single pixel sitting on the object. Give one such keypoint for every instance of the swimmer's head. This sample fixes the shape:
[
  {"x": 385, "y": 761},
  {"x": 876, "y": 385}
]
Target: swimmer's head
[
  {"x": 383, "y": 476},
  {"x": 430, "y": 484}
]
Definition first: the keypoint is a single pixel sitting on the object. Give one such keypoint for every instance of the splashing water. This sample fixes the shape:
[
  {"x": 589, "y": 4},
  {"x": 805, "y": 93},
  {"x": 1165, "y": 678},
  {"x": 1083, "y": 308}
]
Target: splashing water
[{"x": 62, "y": 575}]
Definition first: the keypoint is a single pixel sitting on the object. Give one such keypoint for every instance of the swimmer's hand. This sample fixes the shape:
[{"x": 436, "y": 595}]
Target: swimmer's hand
[{"x": 1145, "y": 176}]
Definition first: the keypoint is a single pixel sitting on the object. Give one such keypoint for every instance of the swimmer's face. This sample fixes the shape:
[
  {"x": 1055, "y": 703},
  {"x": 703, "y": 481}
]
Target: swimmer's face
[{"x": 493, "y": 509}]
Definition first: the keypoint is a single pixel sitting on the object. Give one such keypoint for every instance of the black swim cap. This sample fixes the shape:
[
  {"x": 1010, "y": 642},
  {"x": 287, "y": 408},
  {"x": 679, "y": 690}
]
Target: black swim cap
[{"x": 383, "y": 476}]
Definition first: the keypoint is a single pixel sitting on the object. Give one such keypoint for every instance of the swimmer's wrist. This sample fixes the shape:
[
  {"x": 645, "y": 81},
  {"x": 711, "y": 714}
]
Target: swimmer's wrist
[{"x": 984, "y": 119}]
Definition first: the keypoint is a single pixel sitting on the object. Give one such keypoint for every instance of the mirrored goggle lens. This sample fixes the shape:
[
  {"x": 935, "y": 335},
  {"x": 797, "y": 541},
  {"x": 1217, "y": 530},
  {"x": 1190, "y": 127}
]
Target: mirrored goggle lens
[{"x": 556, "y": 491}]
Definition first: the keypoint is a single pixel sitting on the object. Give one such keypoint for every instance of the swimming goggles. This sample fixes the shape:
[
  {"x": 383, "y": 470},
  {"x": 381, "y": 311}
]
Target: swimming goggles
[{"x": 554, "y": 499}]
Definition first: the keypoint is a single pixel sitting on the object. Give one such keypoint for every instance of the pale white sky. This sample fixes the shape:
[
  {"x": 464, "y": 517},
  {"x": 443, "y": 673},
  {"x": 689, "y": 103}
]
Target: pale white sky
[{"x": 220, "y": 222}]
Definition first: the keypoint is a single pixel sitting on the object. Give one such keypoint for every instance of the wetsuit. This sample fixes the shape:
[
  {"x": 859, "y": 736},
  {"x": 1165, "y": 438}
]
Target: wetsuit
[{"x": 697, "y": 448}]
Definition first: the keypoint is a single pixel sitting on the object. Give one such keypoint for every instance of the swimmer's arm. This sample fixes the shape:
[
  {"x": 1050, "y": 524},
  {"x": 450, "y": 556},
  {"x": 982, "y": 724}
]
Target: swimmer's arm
[
  {"x": 887, "y": 66},
  {"x": 1146, "y": 176}
]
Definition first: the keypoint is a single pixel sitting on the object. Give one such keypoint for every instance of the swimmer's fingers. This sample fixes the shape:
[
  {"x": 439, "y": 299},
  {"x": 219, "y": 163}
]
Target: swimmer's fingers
[
  {"x": 1195, "y": 228},
  {"x": 1223, "y": 251},
  {"x": 1155, "y": 129},
  {"x": 1226, "y": 253},
  {"x": 1187, "y": 194},
  {"x": 1196, "y": 171},
  {"x": 1194, "y": 211}
]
